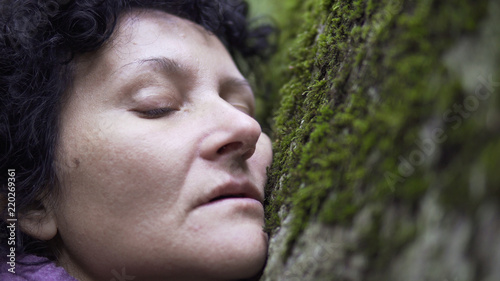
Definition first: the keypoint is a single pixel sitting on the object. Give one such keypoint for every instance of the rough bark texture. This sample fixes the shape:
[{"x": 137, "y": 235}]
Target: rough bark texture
[{"x": 387, "y": 148}]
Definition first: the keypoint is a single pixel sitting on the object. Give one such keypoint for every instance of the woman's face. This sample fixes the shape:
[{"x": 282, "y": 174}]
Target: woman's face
[{"x": 162, "y": 165}]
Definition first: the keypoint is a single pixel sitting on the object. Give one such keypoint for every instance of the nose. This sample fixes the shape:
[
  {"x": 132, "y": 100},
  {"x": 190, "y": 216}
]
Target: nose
[{"x": 232, "y": 134}]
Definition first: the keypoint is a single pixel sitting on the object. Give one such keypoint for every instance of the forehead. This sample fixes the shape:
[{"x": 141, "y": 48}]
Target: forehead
[
  {"x": 146, "y": 23},
  {"x": 142, "y": 34}
]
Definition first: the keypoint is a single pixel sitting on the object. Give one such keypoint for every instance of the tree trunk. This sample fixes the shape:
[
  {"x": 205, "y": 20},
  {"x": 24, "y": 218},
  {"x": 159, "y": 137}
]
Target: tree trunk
[{"x": 387, "y": 148}]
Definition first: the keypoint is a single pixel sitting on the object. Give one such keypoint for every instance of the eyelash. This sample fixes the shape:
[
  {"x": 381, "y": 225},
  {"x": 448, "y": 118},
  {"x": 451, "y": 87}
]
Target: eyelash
[
  {"x": 160, "y": 112},
  {"x": 156, "y": 113}
]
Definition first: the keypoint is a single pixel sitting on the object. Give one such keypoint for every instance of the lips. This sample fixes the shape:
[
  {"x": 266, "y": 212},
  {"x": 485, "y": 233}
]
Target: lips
[
  {"x": 234, "y": 190},
  {"x": 222, "y": 197}
]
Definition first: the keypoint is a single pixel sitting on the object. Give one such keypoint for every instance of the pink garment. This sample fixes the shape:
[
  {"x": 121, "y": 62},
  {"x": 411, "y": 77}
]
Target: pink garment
[{"x": 42, "y": 270}]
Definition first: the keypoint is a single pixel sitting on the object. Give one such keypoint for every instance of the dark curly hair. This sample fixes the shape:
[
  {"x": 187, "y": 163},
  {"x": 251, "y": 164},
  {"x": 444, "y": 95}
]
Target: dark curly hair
[{"x": 38, "y": 41}]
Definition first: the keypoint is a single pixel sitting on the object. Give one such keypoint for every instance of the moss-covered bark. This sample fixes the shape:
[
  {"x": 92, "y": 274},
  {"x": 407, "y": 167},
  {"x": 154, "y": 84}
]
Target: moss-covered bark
[{"x": 387, "y": 148}]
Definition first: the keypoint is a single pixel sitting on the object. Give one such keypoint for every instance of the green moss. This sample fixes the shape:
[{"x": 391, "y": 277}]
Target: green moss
[
  {"x": 340, "y": 208},
  {"x": 360, "y": 81}
]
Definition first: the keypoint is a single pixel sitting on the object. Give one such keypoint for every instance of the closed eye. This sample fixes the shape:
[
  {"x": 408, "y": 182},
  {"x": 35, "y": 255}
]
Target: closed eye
[{"x": 156, "y": 113}]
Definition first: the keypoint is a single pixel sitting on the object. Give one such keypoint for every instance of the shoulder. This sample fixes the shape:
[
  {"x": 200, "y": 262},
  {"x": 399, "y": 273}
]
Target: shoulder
[{"x": 33, "y": 268}]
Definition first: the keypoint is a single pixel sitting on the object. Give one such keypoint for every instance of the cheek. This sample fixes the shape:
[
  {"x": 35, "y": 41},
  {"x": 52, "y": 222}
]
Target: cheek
[
  {"x": 119, "y": 170},
  {"x": 120, "y": 186}
]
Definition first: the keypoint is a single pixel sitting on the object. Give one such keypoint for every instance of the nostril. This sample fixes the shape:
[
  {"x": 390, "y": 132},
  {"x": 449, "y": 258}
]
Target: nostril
[
  {"x": 222, "y": 149},
  {"x": 234, "y": 146},
  {"x": 248, "y": 153}
]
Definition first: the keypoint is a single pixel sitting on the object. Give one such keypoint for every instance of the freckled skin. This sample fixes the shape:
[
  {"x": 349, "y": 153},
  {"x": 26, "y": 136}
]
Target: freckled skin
[{"x": 132, "y": 183}]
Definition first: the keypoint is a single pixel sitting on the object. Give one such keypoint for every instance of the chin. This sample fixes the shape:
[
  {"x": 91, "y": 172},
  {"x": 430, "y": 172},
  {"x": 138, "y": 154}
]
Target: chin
[{"x": 242, "y": 253}]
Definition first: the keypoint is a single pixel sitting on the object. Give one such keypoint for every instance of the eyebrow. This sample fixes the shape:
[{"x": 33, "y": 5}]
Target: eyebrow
[
  {"x": 172, "y": 66},
  {"x": 164, "y": 64}
]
